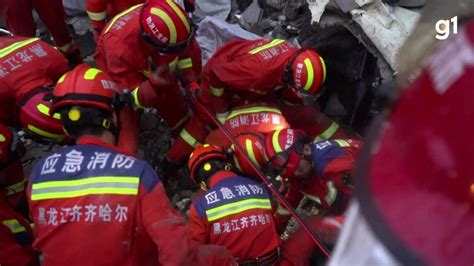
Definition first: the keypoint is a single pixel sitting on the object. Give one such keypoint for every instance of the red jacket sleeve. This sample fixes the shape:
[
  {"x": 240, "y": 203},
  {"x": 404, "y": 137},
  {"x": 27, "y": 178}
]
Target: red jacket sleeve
[
  {"x": 190, "y": 64},
  {"x": 282, "y": 215},
  {"x": 97, "y": 12},
  {"x": 164, "y": 225},
  {"x": 197, "y": 228}
]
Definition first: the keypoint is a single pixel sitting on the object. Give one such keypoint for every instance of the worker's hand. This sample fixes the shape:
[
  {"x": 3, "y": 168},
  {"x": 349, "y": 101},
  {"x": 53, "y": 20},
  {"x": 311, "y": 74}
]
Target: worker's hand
[
  {"x": 160, "y": 76},
  {"x": 194, "y": 91}
]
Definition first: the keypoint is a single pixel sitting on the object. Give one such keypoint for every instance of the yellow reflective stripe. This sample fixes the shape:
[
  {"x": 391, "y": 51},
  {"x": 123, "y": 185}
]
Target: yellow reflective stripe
[
  {"x": 45, "y": 110},
  {"x": 275, "y": 142},
  {"x": 216, "y": 91},
  {"x": 2, "y": 138},
  {"x": 85, "y": 181},
  {"x": 97, "y": 16},
  {"x": 168, "y": 21},
  {"x": 87, "y": 186},
  {"x": 266, "y": 46},
  {"x": 84, "y": 192},
  {"x": 172, "y": 64},
  {"x": 257, "y": 109},
  {"x": 61, "y": 79},
  {"x": 146, "y": 74},
  {"x": 185, "y": 63},
  {"x": 342, "y": 143},
  {"x": 91, "y": 73},
  {"x": 180, "y": 14},
  {"x": 222, "y": 117},
  {"x": 15, "y": 46},
  {"x": 14, "y": 226},
  {"x": 181, "y": 121},
  {"x": 121, "y": 15},
  {"x": 282, "y": 210},
  {"x": 188, "y": 138},
  {"x": 135, "y": 98},
  {"x": 237, "y": 207},
  {"x": 330, "y": 196},
  {"x": 44, "y": 133},
  {"x": 324, "y": 68},
  {"x": 310, "y": 72},
  {"x": 328, "y": 133},
  {"x": 16, "y": 188},
  {"x": 290, "y": 103},
  {"x": 250, "y": 152}
]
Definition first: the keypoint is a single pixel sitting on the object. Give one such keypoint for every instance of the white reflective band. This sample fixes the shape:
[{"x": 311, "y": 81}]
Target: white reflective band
[
  {"x": 97, "y": 16},
  {"x": 328, "y": 133},
  {"x": 216, "y": 91},
  {"x": 188, "y": 138}
]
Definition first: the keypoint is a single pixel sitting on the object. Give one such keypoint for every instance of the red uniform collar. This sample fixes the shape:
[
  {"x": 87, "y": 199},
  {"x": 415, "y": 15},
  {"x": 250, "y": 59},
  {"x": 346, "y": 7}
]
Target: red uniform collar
[
  {"x": 95, "y": 141},
  {"x": 220, "y": 176}
]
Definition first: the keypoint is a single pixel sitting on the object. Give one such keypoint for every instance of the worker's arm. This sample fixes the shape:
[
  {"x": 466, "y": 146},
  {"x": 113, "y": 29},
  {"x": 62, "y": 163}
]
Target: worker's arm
[
  {"x": 282, "y": 215},
  {"x": 197, "y": 228},
  {"x": 164, "y": 224},
  {"x": 97, "y": 12},
  {"x": 189, "y": 65}
]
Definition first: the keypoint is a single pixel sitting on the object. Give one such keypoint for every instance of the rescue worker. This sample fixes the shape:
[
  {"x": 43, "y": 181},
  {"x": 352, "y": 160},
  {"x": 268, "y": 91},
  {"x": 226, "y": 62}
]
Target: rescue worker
[
  {"x": 429, "y": 166},
  {"x": 28, "y": 69},
  {"x": 234, "y": 212},
  {"x": 94, "y": 189},
  {"x": 154, "y": 37},
  {"x": 18, "y": 18},
  {"x": 16, "y": 236},
  {"x": 100, "y": 11},
  {"x": 320, "y": 170},
  {"x": 269, "y": 71}
]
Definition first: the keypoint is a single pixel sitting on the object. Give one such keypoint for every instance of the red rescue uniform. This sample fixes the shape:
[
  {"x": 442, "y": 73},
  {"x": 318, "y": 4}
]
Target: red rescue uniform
[
  {"x": 252, "y": 72},
  {"x": 16, "y": 238},
  {"x": 26, "y": 64},
  {"x": 19, "y": 19},
  {"x": 235, "y": 213},
  {"x": 330, "y": 183},
  {"x": 93, "y": 190},
  {"x": 123, "y": 54},
  {"x": 101, "y": 10}
]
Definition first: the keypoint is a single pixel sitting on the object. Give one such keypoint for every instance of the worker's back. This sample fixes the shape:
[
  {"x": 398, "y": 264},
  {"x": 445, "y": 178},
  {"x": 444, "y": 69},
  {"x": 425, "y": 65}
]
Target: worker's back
[{"x": 94, "y": 206}]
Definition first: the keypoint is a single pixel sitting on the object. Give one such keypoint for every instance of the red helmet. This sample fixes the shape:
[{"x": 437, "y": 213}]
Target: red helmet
[
  {"x": 35, "y": 117},
  {"x": 202, "y": 154},
  {"x": 166, "y": 26},
  {"x": 308, "y": 72},
  {"x": 254, "y": 145},
  {"x": 283, "y": 149},
  {"x": 85, "y": 85}
]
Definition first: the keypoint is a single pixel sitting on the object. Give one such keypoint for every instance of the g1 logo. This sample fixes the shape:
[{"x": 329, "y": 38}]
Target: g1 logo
[{"x": 442, "y": 28}]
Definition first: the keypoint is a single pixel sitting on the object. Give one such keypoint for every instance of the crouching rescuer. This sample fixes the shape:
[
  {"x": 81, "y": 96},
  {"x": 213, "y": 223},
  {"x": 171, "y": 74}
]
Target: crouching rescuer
[
  {"x": 234, "y": 212},
  {"x": 95, "y": 189}
]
